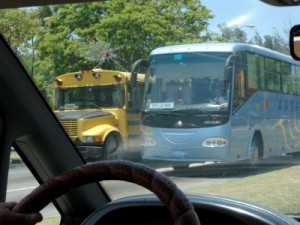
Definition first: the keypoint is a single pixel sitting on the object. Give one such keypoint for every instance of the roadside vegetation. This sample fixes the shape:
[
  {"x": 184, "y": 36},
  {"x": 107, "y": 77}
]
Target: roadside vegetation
[
  {"x": 53, "y": 40},
  {"x": 271, "y": 186}
]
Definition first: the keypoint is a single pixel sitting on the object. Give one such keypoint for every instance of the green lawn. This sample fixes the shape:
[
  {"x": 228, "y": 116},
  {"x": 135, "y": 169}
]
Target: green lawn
[
  {"x": 50, "y": 221},
  {"x": 279, "y": 189}
]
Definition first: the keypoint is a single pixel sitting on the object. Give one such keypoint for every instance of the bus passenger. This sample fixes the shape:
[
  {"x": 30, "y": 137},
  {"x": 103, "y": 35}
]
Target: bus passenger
[{"x": 218, "y": 98}]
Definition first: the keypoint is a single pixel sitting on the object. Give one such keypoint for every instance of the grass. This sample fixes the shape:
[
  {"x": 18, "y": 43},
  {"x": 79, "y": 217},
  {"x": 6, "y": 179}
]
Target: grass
[
  {"x": 277, "y": 189},
  {"x": 50, "y": 221}
]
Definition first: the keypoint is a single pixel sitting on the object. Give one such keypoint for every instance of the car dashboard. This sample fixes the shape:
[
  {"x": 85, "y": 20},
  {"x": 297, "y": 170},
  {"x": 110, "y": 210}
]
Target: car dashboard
[{"x": 211, "y": 210}]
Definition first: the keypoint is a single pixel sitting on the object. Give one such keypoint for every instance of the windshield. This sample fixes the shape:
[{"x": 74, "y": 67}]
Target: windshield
[
  {"x": 87, "y": 97},
  {"x": 185, "y": 81},
  {"x": 222, "y": 119}
]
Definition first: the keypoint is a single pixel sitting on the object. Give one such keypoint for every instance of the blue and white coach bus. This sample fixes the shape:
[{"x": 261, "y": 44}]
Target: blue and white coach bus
[{"x": 219, "y": 102}]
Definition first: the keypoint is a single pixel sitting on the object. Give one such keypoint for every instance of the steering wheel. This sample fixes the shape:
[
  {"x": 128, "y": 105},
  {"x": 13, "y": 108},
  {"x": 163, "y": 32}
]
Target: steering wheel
[{"x": 171, "y": 196}]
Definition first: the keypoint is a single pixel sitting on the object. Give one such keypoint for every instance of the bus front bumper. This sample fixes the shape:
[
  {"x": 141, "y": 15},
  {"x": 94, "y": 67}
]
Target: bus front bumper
[
  {"x": 191, "y": 155},
  {"x": 91, "y": 153}
]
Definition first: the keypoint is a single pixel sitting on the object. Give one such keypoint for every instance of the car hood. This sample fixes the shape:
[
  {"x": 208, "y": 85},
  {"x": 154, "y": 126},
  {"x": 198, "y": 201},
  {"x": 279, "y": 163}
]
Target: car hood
[{"x": 81, "y": 114}]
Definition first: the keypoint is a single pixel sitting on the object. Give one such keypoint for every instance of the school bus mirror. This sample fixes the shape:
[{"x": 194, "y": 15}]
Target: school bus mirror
[{"x": 294, "y": 42}]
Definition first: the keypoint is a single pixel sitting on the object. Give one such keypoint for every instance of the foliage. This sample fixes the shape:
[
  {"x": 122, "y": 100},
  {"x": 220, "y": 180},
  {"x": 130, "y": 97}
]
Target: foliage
[
  {"x": 18, "y": 26},
  {"x": 135, "y": 27},
  {"x": 232, "y": 34},
  {"x": 275, "y": 41},
  {"x": 60, "y": 35},
  {"x": 53, "y": 40}
]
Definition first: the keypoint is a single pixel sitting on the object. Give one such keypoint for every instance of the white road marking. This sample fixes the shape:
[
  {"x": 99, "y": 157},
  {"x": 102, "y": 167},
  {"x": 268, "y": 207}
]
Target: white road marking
[{"x": 21, "y": 189}]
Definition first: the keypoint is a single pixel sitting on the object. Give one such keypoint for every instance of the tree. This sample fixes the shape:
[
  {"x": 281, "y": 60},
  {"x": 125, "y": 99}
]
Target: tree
[
  {"x": 232, "y": 34},
  {"x": 19, "y": 28},
  {"x": 258, "y": 39},
  {"x": 64, "y": 28},
  {"x": 135, "y": 27},
  {"x": 71, "y": 35},
  {"x": 275, "y": 41}
]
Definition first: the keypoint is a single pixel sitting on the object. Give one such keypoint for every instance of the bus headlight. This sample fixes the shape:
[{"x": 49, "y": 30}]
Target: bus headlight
[
  {"x": 214, "y": 142},
  {"x": 148, "y": 141},
  {"x": 91, "y": 139}
]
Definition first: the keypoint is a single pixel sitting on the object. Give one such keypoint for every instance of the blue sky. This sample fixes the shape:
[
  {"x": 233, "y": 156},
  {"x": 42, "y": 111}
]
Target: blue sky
[{"x": 252, "y": 12}]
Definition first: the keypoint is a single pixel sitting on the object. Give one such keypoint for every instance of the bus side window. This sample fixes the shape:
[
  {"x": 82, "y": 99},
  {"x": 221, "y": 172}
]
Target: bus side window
[{"x": 239, "y": 95}]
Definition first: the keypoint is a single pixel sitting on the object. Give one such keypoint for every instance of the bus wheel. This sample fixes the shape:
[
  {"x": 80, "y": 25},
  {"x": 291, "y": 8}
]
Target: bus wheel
[
  {"x": 296, "y": 155},
  {"x": 112, "y": 146},
  {"x": 255, "y": 151}
]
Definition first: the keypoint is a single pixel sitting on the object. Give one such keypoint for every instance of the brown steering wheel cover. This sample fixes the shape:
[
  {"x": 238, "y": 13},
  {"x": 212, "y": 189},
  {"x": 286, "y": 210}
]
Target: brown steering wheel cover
[{"x": 171, "y": 196}]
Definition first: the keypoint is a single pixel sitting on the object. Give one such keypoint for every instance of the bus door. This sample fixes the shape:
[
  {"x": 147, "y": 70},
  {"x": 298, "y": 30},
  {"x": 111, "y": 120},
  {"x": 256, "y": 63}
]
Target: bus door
[
  {"x": 135, "y": 99},
  {"x": 239, "y": 131}
]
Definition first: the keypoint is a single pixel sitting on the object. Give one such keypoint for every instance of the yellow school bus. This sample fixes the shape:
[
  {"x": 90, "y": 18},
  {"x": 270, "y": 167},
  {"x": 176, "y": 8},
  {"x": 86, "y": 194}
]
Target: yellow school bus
[{"x": 100, "y": 111}]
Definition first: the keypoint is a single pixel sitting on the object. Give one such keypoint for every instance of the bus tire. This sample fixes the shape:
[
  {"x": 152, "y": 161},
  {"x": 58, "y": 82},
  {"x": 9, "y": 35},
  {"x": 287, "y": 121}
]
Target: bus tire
[
  {"x": 296, "y": 155},
  {"x": 112, "y": 147},
  {"x": 256, "y": 150}
]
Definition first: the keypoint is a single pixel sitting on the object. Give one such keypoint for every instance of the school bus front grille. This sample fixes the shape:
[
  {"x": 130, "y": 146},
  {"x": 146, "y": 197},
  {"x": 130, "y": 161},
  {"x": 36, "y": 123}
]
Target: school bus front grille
[{"x": 70, "y": 127}]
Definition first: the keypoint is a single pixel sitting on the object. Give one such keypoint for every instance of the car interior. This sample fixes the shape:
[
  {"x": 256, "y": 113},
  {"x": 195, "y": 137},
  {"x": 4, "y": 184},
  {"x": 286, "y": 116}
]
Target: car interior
[{"x": 29, "y": 125}]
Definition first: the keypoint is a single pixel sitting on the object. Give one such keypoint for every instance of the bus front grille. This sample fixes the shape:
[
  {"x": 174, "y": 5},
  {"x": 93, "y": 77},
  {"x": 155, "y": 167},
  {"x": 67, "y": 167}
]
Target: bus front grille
[
  {"x": 70, "y": 127},
  {"x": 178, "y": 137}
]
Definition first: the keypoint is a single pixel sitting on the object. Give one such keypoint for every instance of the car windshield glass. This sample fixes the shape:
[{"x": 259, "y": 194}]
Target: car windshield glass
[{"x": 216, "y": 107}]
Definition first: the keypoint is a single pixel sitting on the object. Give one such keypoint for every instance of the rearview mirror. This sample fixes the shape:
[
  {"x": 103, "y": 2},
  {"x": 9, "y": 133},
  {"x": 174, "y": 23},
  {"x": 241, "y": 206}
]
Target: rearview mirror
[{"x": 295, "y": 42}]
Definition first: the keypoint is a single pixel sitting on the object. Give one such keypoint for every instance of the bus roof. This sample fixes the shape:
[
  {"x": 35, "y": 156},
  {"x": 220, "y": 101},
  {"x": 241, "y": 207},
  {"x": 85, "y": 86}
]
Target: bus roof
[
  {"x": 223, "y": 47},
  {"x": 140, "y": 77}
]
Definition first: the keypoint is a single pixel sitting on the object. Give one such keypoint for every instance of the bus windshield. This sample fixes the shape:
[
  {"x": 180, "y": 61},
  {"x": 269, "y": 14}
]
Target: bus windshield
[
  {"x": 188, "y": 82},
  {"x": 93, "y": 97}
]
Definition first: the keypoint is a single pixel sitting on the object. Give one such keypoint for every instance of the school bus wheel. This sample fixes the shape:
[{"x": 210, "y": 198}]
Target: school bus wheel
[{"x": 112, "y": 146}]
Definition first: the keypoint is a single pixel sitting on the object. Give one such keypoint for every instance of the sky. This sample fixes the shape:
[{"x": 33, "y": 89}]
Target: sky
[{"x": 242, "y": 13}]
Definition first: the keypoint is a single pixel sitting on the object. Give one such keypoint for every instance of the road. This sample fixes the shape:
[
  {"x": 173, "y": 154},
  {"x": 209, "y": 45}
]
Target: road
[{"x": 22, "y": 183}]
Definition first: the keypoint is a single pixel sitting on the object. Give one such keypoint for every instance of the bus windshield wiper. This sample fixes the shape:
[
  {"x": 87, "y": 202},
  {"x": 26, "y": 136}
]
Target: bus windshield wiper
[
  {"x": 195, "y": 110},
  {"x": 192, "y": 110},
  {"x": 168, "y": 113}
]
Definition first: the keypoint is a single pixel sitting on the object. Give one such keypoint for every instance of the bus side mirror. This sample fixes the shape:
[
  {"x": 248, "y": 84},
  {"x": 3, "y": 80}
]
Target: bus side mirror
[
  {"x": 295, "y": 42},
  {"x": 133, "y": 79},
  {"x": 227, "y": 73},
  {"x": 137, "y": 67}
]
